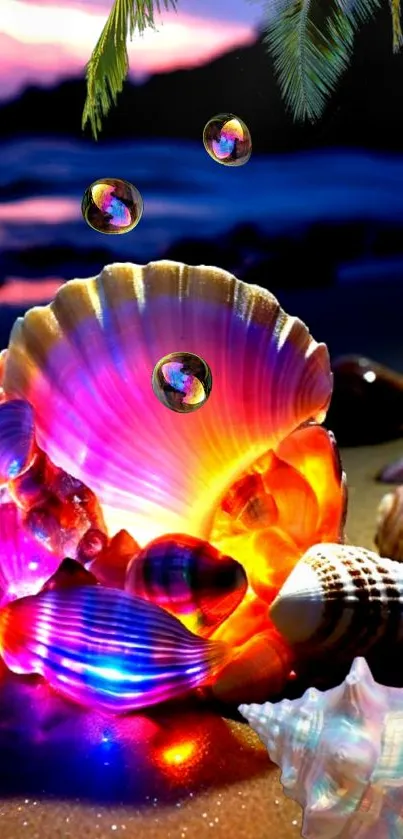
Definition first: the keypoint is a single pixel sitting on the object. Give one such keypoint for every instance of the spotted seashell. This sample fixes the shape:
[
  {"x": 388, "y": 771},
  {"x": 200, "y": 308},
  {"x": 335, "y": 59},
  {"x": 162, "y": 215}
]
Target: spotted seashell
[
  {"x": 104, "y": 648},
  {"x": 341, "y": 756},
  {"x": 189, "y": 578},
  {"x": 389, "y": 521},
  {"x": 341, "y": 599}
]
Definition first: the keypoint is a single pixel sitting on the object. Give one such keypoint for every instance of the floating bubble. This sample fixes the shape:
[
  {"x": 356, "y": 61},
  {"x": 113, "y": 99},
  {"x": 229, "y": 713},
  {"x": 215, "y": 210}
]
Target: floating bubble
[
  {"x": 227, "y": 140},
  {"x": 112, "y": 205},
  {"x": 182, "y": 381}
]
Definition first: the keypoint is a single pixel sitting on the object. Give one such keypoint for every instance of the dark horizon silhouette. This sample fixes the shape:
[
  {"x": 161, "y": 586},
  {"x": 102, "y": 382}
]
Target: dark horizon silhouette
[{"x": 364, "y": 112}]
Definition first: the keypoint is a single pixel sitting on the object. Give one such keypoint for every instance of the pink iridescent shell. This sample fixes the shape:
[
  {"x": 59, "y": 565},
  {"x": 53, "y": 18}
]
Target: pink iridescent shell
[{"x": 250, "y": 471}]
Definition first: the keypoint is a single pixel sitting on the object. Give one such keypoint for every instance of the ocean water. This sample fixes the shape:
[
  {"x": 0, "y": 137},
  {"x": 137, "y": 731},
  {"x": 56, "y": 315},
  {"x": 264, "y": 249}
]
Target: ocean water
[{"x": 187, "y": 195}]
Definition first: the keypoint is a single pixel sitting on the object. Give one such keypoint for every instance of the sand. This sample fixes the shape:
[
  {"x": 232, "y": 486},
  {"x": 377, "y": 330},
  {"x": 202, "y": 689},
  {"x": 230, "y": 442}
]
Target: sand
[{"x": 182, "y": 775}]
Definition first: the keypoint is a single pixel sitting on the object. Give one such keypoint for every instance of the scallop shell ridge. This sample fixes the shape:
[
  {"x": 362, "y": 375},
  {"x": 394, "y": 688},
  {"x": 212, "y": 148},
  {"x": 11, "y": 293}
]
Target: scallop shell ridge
[{"x": 85, "y": 364}]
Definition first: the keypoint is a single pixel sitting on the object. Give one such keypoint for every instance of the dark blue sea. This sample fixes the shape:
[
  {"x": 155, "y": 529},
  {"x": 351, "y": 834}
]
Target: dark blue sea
[
  {"x": 187, "y": 195},
  {"x": 323, "y": 230}
]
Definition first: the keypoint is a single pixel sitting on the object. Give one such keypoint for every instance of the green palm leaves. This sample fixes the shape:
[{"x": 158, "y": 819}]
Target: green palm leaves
[
  {"x": 311, "y": 42},
  {"x": 397, "y": 28},
  {"x": 109, "y": 63}
]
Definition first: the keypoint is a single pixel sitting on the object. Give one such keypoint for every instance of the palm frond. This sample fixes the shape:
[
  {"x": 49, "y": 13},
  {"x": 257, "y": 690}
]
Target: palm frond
[
  {"x": 359, "y": 11},
  {"x": 311, "y": 42},
  {"x": 109, "y": 64},
  {"x": 395, "y": 6}
]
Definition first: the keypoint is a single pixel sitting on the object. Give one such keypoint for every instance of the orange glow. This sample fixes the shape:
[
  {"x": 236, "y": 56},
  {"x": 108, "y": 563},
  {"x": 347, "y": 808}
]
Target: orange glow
[
  {"x": 314, "y": 455},
  {"x": 287, "y": 501},
  {"x": 260, "y": 668},
  {"x": 179, "y": 753},
  {"x": 47, "y": 43}
]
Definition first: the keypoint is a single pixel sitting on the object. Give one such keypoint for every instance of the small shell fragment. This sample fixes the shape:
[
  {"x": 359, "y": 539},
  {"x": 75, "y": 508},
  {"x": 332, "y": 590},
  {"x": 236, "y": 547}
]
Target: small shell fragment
[
  {"x": 389, "y": 531},
  {"x": 17, "y": 438}
]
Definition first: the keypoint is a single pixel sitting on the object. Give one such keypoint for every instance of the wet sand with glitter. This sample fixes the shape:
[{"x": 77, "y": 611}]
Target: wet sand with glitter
[{"x": 184, "y": 774}]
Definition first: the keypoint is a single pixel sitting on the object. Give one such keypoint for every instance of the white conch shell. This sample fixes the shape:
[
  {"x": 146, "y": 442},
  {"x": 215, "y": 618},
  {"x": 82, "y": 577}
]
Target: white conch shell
[
  {"x": 343, "y": 598},
  {"x": 389, "y": 525},
  {"x": 341, "y": 755},
  {"x": 85, "y": 364}
]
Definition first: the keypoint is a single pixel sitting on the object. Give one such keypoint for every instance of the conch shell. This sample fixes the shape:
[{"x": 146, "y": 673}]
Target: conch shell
[
  {"x": 341, "y": 756},
  {"x": 250, "y": 471}
]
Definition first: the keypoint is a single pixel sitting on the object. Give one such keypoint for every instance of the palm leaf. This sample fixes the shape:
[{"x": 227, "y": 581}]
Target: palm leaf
[
  {"x": 359, "y": 11},
  {"x": 109, "y": 64},
  {"x": 311, "y": 42},
  {"x": 397, "y": 26}
]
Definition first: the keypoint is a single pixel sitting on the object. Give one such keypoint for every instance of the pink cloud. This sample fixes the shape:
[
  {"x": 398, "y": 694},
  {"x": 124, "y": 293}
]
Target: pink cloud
[
  {"x": 41, "y": 210},
  {"x": 39, "y": 64},
  {"x": 31, "y": 55},
  {"x": 18, "y": 292}
]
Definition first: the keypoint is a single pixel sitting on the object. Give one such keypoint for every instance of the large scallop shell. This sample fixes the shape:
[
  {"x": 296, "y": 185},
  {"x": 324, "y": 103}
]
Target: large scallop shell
[
  {"x": 341, "y": 756},
  {"x": 85, "y": 364}
]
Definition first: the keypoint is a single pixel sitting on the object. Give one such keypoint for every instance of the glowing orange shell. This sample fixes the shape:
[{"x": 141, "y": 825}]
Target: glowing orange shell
[{"x": 250, "y": 471}]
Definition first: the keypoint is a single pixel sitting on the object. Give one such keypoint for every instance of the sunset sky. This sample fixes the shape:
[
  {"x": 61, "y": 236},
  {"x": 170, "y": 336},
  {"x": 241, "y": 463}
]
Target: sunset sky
[{"x": 42, "y": 41}]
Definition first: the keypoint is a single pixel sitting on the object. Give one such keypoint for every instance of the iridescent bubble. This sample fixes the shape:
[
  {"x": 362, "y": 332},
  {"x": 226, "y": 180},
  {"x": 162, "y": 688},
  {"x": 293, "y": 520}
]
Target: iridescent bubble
[
  {"x": 112, "y": 205},
  {"x": 227, "y": 140},
  {"x": 182, "y": 381}
]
